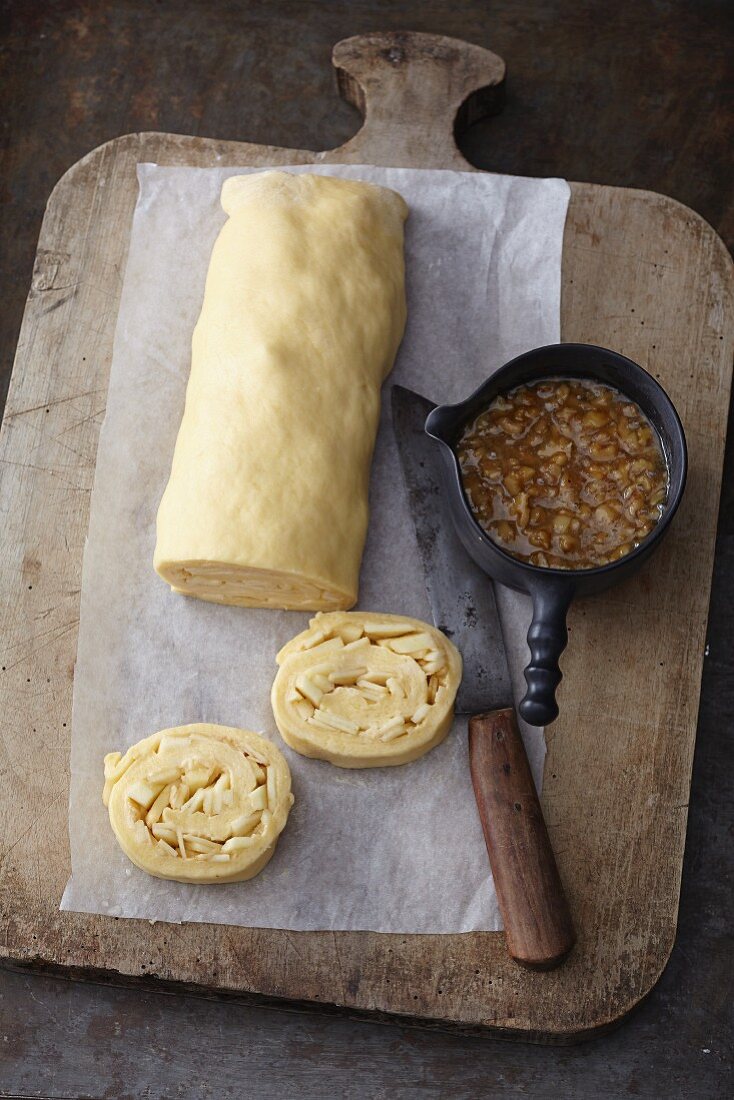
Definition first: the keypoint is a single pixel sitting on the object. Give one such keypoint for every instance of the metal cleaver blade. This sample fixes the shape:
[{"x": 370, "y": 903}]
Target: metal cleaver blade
[{"x": 461, "y": 596}]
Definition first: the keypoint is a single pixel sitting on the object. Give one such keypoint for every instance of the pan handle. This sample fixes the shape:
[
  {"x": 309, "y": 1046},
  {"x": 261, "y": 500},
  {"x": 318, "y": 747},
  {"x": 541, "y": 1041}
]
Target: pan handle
[{"x": 547, "y": 639}]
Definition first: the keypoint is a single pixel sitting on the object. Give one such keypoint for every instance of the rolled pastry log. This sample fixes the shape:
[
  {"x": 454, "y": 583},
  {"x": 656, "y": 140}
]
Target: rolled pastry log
[
  {"x": 303, "y": 312},
  {"x": 366, "y": 690},
  {"x": 198, "y": 803}
]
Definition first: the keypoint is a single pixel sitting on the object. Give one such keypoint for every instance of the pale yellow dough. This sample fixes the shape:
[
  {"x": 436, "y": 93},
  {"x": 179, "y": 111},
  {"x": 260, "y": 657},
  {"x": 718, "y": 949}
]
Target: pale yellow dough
[
  {"x": 303, "y": 313},
  {"x": 199, "y": 803},
  {"x": 366, "y": 690}
]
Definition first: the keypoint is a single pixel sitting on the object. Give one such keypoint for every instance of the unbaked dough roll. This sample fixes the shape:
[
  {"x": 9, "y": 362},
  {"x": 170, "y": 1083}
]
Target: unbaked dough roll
[
  {"x": 303, "y": 313},
  {"x": 366, "y": 690},
  {"x": 199, "y": 803}
]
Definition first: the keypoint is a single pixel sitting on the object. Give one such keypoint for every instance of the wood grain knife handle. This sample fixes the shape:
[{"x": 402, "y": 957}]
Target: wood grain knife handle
[{"x": 534, "y": 909}]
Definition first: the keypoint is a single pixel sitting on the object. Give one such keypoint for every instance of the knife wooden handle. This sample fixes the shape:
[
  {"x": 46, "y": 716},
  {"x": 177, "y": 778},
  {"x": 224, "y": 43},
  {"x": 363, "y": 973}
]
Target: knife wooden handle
[{"x": 534, "y": 909}]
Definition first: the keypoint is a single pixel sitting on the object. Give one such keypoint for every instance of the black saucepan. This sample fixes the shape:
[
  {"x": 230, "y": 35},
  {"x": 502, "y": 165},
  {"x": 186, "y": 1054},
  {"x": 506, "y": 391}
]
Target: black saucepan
[{"x": 552, "y": 590}]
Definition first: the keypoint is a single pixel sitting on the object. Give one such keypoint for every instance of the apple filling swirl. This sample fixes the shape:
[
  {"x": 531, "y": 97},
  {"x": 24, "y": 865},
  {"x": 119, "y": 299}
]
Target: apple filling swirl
[
  {"x": 365, "y": 689},
  {"x": 198, "y": 803}
]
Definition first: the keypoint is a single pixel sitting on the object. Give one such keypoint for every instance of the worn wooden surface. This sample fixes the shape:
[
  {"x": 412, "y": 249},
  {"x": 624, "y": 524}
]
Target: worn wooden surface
[
  {"x": 704, "y": 906},
  {"x": 641, "y": 274},
  {"x": 638, "y": 99}
]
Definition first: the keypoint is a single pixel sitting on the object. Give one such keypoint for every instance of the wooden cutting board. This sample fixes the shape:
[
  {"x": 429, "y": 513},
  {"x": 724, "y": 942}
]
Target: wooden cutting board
[{"x": 641, "y": 274}]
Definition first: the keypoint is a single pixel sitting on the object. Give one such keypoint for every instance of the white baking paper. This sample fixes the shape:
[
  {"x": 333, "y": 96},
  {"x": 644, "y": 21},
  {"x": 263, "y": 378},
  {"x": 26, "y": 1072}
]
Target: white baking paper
[{"x": 391, "y": 849}]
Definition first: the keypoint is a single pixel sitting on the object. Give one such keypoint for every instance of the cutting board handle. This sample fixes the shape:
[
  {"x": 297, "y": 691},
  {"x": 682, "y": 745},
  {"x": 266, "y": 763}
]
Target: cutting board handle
[{"x": 414, "y": 91}]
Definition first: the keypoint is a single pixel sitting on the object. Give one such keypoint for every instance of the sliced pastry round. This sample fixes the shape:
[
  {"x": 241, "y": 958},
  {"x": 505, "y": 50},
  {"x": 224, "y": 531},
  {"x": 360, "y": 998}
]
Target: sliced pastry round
[
  {"x": 366, "y": 690},
  {"x": 199, "y": 803}
]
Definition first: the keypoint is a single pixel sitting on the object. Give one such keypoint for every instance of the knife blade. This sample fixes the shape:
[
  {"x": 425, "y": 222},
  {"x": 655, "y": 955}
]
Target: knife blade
[
  {"x": 461, "y": 596},
  {"x": 530, "y": 894}
]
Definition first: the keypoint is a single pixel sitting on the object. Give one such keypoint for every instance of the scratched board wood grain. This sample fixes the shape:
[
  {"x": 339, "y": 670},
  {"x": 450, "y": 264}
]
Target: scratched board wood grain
[{"x": 641, "y": 274}]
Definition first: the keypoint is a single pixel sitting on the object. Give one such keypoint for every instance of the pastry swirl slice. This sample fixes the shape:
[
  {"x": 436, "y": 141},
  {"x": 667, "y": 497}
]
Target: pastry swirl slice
[
  {"x": 365, "y": 690},
  {"x": 198, "y": 803}
]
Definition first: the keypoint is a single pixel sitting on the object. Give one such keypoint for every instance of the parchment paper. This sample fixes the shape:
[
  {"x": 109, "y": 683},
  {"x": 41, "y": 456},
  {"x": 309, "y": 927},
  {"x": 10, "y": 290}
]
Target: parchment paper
[{"x": 392, "y": 849}]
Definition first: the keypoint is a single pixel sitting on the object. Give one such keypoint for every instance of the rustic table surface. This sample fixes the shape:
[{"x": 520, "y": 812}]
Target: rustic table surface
[{"x": 634, "y": 95}]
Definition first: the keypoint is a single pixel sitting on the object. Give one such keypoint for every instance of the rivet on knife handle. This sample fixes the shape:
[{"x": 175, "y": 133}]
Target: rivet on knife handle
[{"x": 537, "y": 921}]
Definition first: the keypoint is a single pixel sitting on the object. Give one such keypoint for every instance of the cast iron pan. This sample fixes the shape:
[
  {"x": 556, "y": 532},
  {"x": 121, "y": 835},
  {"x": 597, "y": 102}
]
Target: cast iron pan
[{"x": 552, "y": 590}]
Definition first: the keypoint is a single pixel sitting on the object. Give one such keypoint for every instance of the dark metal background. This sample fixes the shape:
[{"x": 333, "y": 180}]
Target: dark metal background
[{"x": 630, "y": 93}]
